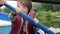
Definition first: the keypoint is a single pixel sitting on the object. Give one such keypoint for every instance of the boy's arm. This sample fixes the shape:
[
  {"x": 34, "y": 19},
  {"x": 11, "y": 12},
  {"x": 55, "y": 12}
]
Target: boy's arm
[{"x": 36, "y": 21}]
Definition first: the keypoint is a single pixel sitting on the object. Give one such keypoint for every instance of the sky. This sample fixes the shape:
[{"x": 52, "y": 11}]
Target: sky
[{"x": 12, "y": 3}]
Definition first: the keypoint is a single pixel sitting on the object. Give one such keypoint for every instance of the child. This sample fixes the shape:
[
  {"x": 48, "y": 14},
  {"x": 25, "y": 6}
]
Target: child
[{"x": 19, "y": 24}]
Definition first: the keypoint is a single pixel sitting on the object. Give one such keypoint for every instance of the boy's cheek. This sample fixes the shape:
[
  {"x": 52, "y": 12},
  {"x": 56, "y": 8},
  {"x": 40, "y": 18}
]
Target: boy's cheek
[
  {"x": 25, "y": 12},
  {"x": 18, "y": 10}
]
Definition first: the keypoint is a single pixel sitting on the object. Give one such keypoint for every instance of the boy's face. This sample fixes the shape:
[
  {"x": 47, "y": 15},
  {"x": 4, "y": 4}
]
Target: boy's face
[{"x": 22, "y": 8}]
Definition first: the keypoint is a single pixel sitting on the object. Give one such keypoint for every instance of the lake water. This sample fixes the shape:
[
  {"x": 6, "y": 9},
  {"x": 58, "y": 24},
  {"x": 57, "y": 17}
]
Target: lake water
[{"x": 5, "y": 29}]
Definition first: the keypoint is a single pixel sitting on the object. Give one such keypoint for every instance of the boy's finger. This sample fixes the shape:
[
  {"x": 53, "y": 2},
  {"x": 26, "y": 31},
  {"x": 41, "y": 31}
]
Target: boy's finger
[
  {"x": 2, "y": 2},
  {"x": 36, "y": 20}
]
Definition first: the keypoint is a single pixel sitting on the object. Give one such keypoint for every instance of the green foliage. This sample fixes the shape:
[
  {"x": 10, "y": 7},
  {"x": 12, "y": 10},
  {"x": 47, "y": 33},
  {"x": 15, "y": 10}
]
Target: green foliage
[
  {"x": 6, "y": 10},
  {"x": 46, "y": 13},
  {"x": 46, "y": 6},
  {"x": 48, "y": 18},
  {"x": 0, "y": 10},
  {"x": 36, "y": 6},
  {"x": 58, "y": 33}
]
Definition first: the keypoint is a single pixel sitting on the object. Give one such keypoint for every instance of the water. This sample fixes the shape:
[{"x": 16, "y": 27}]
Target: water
[{"x": 5, "y": 29}]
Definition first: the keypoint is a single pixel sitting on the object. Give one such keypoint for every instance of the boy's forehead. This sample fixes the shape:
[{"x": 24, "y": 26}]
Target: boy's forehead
[{"x": 19, "y": 4}]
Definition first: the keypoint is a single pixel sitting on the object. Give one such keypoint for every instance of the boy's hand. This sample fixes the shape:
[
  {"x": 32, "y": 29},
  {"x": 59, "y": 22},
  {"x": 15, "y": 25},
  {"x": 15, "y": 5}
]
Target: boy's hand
[
  {"x": 2, "y": 2},
  {"x": 36, "y": 20}
]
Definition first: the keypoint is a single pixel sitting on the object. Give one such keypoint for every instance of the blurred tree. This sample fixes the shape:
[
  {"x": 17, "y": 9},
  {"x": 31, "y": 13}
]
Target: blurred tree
[
  {"x": 0, "y": 10},
  {"x": 36, "y": 6},
  {"x": 48, "y": 16},
  {"x": 6, "y": 10}
]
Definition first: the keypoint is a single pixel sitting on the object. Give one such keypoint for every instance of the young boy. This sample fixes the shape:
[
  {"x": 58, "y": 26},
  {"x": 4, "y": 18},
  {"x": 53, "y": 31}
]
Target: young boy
[{"x": 19, "y": 24}]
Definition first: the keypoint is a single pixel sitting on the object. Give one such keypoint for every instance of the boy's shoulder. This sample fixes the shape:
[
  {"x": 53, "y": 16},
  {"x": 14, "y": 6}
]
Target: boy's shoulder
[{"x": 32, "y": 11}]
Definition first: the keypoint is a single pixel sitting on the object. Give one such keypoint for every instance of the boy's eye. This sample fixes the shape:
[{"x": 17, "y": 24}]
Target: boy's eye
[
  {"x": 20, "y": 6},
  {"x": 17, "y": 6}
]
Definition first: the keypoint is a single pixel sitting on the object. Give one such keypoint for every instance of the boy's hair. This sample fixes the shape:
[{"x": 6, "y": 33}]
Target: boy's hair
[{"x": 26, "y": 3}]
